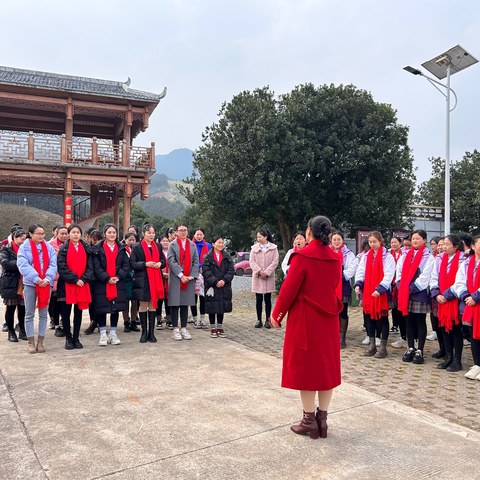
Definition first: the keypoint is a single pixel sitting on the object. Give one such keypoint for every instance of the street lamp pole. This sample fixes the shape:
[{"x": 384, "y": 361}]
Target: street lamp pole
[{"x": 442, "y": 66}]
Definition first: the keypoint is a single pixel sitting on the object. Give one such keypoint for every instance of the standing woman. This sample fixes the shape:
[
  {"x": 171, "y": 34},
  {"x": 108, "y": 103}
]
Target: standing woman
[
  {"x": 414, "y": 270},
  {"x": 299, "y": 242},
  {"x": 182, "y": 260},
  {"x": 311, "y": 352},
  {"x": 163, "y": 241},
  {"x": 398, "y": 322},
  {"x": 75, "y": 270},
  {"x": 374, "y": 276},
  {"x": 349, "y": 267},
  {"x": 13, "y": 286},
  {"x": 264, "y": 261},
  {"x": 129, "y": 323},
  {"x": 467, "y": 289},
  {"x": 111, "y": 266},
  {"x": 202, "y": 248},
  {"x": 37, "y": 263},
  {"x": 218, "y": 273},
  {"x": 442, "y": 290},
  {"x": 147, "y": 263}
]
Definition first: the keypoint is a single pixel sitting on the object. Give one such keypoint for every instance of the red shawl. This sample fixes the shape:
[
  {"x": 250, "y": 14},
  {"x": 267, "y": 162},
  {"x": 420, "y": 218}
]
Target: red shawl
[
  {"x": 154, "y": 274},
  {"x": 186, "y": 262},
  {"x": 111, "y": 289},
  {"x": 409, "y": 269},
  {"x": 377, "y": 307},
  {"x": 448, "y": 312},
  {"x": 77, "y": 263},
  {"x": 472, "y": 314},
  {"x": 43, "y": 293}
]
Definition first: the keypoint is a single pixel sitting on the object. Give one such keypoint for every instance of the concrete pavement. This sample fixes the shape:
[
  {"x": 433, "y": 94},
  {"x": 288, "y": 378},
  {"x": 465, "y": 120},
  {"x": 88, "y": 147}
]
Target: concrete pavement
[{"x": 206, "y": 408}]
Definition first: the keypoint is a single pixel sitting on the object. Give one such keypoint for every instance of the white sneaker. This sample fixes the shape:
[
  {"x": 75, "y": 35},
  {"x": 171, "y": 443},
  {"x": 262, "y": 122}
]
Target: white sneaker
[
  {"x": 204, "y": 323},
  {"x": 366, "y": 341},
  {"x": 185, "y": 334},
  {"x": 432, "y": 337},
  {"x": 176, "y": 334},
  {"x": 113, "y": 339},
  {"x": 473, "y": 372},
  {"x": 103, "y": 340},
  {"x": 378, "y": 342},
  {"x": 197, "y": 323},
  {"x": 400, "y": 343}
]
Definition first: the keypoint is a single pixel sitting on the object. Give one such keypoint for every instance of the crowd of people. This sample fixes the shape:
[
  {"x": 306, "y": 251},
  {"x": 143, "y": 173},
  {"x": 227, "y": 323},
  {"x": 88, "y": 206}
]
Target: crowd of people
[{"x": 144, "y": 274}]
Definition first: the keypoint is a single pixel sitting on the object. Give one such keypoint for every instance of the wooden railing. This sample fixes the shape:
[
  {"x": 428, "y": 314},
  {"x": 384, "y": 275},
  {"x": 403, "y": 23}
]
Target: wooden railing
[{"x": 29, "y": 147}]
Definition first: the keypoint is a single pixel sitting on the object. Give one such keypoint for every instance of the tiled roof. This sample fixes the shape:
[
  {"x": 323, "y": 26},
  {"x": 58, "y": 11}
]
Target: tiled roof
[{"x": 69, "y": 83}]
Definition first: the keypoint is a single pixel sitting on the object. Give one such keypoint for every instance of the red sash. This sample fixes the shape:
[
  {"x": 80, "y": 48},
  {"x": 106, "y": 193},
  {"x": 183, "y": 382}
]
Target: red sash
[
  {"x": 339, "y": 289},
  {"x": 111, "y": 289},
  {"x": 472, "y": 314},
  {"x": 448, "y": 312},
  {"x": 395, "y": 288},
  {"x": 154, "y": 274},
  {"x": 409, "y": 269},
  {"x": 166, "y": 271},
  {"x": 186, "y": 262},
  {"x": 77, "y": 263},
  {"x": 219, "y": 261},
  {"x": 203, "y": 252},
  {"x": 15, "y": 248},
  {"x": 377, "y": 307},
  {"x": 43, "y": 293}
]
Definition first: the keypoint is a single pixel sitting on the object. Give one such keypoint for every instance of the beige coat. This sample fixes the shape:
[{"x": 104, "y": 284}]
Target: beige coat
[{"x": 266, "y": 261}]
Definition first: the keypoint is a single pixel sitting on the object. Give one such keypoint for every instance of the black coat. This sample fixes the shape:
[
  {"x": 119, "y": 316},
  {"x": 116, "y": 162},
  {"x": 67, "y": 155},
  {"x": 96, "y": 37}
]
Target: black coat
[
  {"x": 99, "y": 284},
  {"x": 140, "y": 285},
  {"x": 11, "y": 275},
  {"x": 221, "y": 302},
  {"x": 65, "y": 274}
]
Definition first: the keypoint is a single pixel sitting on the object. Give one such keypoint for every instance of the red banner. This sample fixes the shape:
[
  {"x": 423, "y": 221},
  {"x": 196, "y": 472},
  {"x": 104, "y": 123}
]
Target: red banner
[{"x": 68, "y": 211}]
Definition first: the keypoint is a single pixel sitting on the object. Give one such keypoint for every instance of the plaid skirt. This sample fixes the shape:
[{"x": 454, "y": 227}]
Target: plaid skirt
[
  {"x": 13, "y": 301},
  {"x": 419, "y": 307},
  {"x": 346, "y": 299}
]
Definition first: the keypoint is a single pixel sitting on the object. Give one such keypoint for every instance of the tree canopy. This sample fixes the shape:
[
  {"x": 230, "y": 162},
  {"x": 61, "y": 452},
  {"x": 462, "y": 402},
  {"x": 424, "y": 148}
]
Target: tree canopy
[
  {"x": 328, "y": 150},
  {"x": 464, "y": 191}
]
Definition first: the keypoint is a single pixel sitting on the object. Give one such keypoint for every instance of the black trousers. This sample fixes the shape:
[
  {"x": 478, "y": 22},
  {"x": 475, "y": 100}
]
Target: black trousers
[
  {"x": 475, "y": 346},
  {"x": 259, "y": 304},
  {"x": 416, "y": 328},
  {"x": 183, "y": 316},
  {"x": 160, "y": 302},
  {"x": 202, "y": 306},
  {"x": 211, "y": 318},
  {"x": 438, "y": 330},
  {"x": 102, "y": 319},
  {"x": 454, "y": 341},
  {"x": 398, "y": 320},
  {"x": 77, "y": 318},
  {"x": 373, "y": 326},
  {"x": 10, "y": 316}
]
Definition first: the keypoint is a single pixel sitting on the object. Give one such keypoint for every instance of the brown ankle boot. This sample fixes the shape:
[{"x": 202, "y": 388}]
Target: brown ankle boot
[
  {"x": 31, "y": 345},
  {"x": 307, "y": 425},
  {"x": 372, "y": 349},
  {"x": 91, "y": 328},
  {"x": 343, "y": 331},
  {"x": 40, "y": 347},
  {"x": 382, "y": 351},
  {"x": 321, "y": 418}
]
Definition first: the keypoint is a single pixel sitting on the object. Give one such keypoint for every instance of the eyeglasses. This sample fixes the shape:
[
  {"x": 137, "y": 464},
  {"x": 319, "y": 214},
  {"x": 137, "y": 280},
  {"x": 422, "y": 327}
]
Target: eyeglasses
[
  {"x": 42, "y": 234},
  {"x": 182, "y": 230}
]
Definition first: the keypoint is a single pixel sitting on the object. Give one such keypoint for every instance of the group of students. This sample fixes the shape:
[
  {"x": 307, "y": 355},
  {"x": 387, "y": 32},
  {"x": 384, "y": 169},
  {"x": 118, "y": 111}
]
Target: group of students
[
  {"x": 106, "y": 276},
  {"x": 412, "y": 282}
]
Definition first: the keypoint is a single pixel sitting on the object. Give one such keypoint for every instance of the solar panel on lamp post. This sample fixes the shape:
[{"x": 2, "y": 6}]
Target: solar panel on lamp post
[{"x": 444, "y": 65}]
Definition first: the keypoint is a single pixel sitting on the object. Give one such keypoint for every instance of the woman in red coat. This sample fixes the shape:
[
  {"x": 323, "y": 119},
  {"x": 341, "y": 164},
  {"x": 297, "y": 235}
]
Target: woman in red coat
[{"x": 311, "y": 352}]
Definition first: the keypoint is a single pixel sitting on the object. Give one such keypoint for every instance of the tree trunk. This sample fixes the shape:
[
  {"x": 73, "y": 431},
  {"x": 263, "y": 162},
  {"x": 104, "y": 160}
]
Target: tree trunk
[{"x": 287, "y": 231}]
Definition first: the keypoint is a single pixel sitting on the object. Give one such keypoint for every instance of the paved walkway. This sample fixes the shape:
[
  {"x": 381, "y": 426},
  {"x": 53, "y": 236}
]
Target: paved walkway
[{"x": 213, "y": 409}]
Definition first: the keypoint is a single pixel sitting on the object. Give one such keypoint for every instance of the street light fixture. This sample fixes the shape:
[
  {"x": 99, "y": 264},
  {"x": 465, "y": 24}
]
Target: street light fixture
[{"x": 444, "y": 65}]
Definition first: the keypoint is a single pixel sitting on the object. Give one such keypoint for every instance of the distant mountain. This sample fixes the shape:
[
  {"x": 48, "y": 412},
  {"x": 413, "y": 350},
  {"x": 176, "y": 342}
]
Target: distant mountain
[{"x": 176, "y": 165}]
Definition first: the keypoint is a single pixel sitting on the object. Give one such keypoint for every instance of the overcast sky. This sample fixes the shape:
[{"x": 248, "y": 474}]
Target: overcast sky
[{"x": 207, "y": 51}]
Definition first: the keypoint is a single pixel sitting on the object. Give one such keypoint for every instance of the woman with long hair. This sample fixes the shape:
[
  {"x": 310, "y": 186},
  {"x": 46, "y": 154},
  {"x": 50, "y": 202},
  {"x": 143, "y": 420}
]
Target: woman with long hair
[
  {"x": 147, "y": 262},
  {"x": 129, "y": 316},
  {"x": 164, "y": 242},
  {"x": 12, "y": 290},
  {"x": 299, "y": 242},
  {"x": 111, "y": 266},
  {"x": 398, "y": 320},
  {"x": 263, "y": 261},
  {"x": 75, "y": 270},
  {"x": 414, "y": 270},
  {"x": 37, "y": 263},
  {"x": 202, "y": 249},
  {"x": 374, "y": 276},
  {"x": 311, "y": 351}
]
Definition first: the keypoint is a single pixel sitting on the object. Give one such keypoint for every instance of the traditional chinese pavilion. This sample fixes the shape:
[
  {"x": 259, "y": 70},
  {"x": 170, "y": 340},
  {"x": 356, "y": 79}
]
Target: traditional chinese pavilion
[{"x": 61, "y": 134}]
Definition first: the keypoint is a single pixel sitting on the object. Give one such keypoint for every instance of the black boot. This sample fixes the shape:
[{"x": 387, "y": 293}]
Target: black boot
[
  {"x": 133, "y": 327},
  {"x": 12, "y": 336},
  {"x": 76, "y": 341},
  {"x": 151, "y": 327},
  {"x": 448, "y": 360},
  {"x": 23, "y": 334},
  {"x": 143, "y": 324},
  {"x": 259, "y": 324},
  {"x": 343, "y": 331},
  {"x": 455, "y": 366},
  {"x": 439, "y": 353},
  {"x": 69, "y": 342},
  {"x": 126, "y": 326}
]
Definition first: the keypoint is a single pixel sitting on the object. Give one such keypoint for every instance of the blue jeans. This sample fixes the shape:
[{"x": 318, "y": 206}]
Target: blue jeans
[{"x": 30, "y": 297}]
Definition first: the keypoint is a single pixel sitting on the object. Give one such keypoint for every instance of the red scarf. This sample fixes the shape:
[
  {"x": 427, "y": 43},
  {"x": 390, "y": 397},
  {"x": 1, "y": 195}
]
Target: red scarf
[
  {"x": 186, "y": 263},
  {"x": 220, "y": 255},
  {"x": 377, "y": 307},
  {"x": 43, "y": 293},
  {"x": 111, "y": 289},
  {"x": 128, "y": 249},
  {"x": 15, "y": 248},
  {"x": 339, "y": 289},
  {"x": 203, "y": 251},
  {"x": 166, "y": 271},
  {"x": 448, "y": 312},
  {"x": 472, "y": 314},
  {"x": 395, "y": 288},
  {"x": 77, "y": 263},
  {"x": 154, "y": 274},
  {"x": 409, "y": 269}
]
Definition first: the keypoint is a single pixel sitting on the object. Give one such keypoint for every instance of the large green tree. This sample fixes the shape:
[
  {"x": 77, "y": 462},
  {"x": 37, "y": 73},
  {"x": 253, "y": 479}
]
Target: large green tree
[
  {"x": 318, "y": 150},
  {"x": 464, "y": 191}
]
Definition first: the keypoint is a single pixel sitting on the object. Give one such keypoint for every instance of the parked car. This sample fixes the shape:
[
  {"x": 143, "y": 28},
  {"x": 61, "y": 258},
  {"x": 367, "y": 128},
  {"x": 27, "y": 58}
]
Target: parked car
[{"x": 242, "y": 263}]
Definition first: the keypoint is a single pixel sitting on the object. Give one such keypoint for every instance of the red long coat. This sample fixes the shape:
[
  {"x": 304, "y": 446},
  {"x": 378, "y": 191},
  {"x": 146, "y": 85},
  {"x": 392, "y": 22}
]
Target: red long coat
[{"x": 311, "y": 352}]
